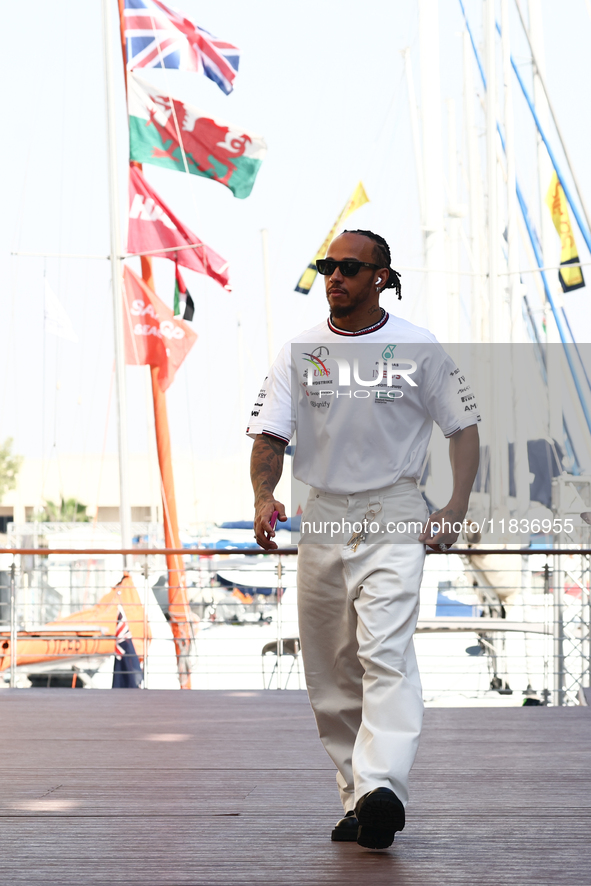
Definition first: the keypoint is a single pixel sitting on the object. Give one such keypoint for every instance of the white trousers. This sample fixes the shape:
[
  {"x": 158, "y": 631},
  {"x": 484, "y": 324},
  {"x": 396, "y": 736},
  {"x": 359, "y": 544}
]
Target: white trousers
[{"x": 357, "y": 613}]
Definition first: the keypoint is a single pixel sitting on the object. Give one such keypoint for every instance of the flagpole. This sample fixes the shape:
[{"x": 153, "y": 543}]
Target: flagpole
[
  {"x": 178, "y": 603},
  {"x": 117, "y": 282}
]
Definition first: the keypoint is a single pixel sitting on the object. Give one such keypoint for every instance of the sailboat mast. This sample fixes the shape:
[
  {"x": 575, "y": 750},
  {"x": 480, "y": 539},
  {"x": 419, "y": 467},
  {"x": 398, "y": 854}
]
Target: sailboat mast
[
  {"x": 542, "y": 82},
  {"x": 432, "y": 165},
  {"x": 491, "y": 169},
  {"x": 454, "y": 224},
  {"x": 116, "y": 283},
  {"x": 178, "y": 604},
  {"x": 415, "y": 132},
  {"x": 498, "y": 445},
  {"x": 477, "y": 245},
  {"x": 554, "y": 357},
  {"x": 268, "y": 309},
  {"x": 514, "y": 285}
]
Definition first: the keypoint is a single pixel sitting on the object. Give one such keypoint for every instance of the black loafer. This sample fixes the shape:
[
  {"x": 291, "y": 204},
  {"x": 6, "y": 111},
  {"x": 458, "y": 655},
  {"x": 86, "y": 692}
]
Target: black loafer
[
  {"x": 380, "y": 814},
  {"x": 345, "y": 830}
]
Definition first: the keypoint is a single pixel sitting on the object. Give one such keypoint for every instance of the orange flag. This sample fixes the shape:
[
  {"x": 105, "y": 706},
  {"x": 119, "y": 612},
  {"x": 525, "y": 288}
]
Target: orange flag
[{"x": 153, "y": 335}]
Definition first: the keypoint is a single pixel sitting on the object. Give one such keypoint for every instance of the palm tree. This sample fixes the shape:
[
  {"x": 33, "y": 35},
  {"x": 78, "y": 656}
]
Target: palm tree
[
  {"x": 69, "y": 510},
  {"x": 9, "y": 467}
]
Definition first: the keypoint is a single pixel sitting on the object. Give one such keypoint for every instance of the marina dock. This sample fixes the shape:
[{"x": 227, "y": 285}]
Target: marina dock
[{"x": 198, "y": 788}]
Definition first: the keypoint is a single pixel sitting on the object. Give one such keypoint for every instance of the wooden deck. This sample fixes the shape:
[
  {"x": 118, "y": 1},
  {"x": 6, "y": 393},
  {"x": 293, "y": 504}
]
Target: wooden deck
[{"x": 179, "y": 788}]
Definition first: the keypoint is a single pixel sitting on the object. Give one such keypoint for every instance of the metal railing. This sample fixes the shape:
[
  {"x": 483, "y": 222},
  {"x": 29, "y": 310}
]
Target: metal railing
[{"x": 525, "y": 613}]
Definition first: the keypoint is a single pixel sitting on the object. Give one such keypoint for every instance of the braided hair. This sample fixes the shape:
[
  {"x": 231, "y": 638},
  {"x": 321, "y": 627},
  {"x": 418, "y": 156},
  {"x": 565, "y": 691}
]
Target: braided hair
[{"x": 382, "y": 253}]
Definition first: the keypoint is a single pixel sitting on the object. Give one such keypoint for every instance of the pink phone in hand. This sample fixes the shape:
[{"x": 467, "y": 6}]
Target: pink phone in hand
[{"x": 273, "y": 520}]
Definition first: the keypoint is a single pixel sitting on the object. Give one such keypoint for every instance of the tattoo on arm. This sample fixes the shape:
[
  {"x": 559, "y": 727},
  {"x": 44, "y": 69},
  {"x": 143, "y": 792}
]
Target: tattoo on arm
[{"x": 266, "y": 465}]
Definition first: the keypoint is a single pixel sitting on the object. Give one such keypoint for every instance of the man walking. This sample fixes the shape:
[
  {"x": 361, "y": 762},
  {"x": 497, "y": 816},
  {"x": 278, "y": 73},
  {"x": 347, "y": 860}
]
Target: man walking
[{"x": 361, "y": 448}]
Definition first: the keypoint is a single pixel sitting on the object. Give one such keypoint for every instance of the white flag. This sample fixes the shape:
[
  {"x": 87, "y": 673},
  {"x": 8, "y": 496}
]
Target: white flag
[{"x": 56, "y": 320}]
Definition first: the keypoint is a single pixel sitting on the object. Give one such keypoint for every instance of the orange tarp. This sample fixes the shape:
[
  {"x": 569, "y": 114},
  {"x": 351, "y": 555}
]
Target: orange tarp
[{"x": 87, "y": 632}]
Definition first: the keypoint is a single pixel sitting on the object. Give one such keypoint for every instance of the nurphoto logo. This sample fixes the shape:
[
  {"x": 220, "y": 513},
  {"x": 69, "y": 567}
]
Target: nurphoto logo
[{"x": 387, "y": 369}]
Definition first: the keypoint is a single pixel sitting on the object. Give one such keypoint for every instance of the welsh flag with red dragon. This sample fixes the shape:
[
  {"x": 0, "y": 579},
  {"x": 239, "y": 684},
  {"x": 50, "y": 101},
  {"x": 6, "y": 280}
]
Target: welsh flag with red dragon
[{"x": 158, "y": 124}]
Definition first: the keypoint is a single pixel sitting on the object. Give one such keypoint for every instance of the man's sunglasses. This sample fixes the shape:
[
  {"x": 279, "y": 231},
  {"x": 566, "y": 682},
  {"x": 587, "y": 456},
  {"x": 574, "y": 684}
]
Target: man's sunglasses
[{"x": 349, "y": 267}]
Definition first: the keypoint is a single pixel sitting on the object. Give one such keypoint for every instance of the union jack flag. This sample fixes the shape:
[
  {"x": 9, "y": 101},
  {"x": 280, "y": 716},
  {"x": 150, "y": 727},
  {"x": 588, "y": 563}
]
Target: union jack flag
[
  {"x": 122, "y": 633},
  {"x": 127, "y": 670},
  {"x": 158, "y": 37}
]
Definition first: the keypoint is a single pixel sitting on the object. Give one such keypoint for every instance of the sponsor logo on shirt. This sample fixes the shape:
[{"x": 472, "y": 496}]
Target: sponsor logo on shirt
[
  {"x": 388, "y": 396},
  {"x": 384, "y": 372},
  {"x": 317, "y": 358}
]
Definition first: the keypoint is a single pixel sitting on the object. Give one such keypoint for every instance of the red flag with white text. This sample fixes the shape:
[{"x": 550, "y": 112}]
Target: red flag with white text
[
  {"x": 153, "y": 227},
  {"x": 153, "y": 336}
]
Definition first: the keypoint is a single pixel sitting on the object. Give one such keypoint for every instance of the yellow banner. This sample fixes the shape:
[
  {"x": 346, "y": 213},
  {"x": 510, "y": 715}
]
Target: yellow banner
[
  {"x": 357, "y": 199},
  {"x": 570, "y": 277}
]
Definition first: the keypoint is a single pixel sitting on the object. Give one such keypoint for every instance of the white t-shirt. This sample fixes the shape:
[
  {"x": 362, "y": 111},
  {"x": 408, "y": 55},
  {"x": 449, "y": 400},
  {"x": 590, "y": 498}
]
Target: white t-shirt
[{"x": 363, "y": 403}]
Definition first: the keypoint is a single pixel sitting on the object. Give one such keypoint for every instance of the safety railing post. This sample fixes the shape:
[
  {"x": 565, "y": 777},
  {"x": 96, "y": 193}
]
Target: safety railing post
[
  {"x": 558, "y": 696},
  {"x": 587, "y": 587},
  {"x": 13, "y": 630},
  {"x": 279, "y": 625},
  {"x": 146, "y": 572},
  {"x": 548, "y": 639},
  {"x": 584, "y": 628}
]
